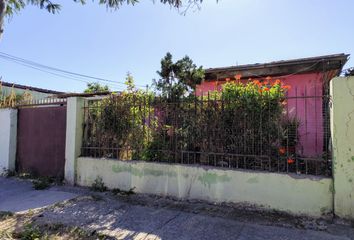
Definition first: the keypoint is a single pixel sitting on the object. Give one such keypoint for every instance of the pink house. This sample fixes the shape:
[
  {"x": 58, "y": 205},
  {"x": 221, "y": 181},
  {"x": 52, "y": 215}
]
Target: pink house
[{"x": 308, "y": 98}]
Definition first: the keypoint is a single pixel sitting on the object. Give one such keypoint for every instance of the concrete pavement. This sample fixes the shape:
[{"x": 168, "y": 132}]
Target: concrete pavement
[
  {"x": 120, "y": 217},
  {"x": 17, "y": 196}
]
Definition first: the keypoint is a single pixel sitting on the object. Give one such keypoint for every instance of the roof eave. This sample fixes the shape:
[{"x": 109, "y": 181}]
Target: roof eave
[{"x": 280, "y": 68}]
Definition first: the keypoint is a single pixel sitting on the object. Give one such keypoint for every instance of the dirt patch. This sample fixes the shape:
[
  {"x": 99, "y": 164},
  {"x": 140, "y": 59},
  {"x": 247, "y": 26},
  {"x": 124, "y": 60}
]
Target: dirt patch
[{"x": 26, "y": 226}]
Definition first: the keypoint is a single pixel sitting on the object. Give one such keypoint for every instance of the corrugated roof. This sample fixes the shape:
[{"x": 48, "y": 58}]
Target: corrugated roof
[
  {"x": 35, "y": 89},
  {"x": 283, "y": 67}
]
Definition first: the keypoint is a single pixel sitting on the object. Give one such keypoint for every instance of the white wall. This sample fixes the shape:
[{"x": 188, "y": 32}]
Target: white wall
[
  {"x": 342, "y": 126},
  {"x": 297, "y": 194},
  {"x": 74, "y": 128},
  {"x": 8, "y": 132}
]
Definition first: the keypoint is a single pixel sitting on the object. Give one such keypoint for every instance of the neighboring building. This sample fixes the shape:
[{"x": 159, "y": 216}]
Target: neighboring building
[
  {"x": 36, "y": 93},
  {"x": 307, "y": 99}
]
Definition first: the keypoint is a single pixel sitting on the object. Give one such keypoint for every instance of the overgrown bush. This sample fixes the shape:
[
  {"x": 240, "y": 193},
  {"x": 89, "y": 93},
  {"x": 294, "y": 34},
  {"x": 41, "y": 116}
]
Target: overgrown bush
[
  {"x": 121, "y": 123},
  {"x": 242, "y": 119}
]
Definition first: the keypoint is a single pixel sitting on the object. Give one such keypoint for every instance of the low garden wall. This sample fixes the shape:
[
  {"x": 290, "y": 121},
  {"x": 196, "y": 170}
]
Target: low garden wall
[
  {"x": 293, "y": 193},
  {"x": 296, "y": 194}
]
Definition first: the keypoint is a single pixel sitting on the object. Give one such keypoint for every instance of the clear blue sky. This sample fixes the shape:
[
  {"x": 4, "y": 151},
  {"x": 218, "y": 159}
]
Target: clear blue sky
[{"x": 91, "y": 40}]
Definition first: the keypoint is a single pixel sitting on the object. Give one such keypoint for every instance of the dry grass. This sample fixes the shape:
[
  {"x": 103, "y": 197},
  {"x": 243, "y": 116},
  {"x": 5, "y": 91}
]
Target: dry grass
[
  {"x": 24, "y": 227},
  {"x": 12, "y": 99}
]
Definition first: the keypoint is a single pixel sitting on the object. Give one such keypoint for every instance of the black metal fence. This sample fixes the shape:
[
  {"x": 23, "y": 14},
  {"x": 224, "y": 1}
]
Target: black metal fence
[{"x": 290, "y": 135}]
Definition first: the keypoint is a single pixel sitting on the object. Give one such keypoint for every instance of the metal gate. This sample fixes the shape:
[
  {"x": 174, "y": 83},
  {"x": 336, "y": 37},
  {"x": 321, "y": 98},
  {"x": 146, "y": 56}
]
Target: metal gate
[{"x": 41, "y": 140}]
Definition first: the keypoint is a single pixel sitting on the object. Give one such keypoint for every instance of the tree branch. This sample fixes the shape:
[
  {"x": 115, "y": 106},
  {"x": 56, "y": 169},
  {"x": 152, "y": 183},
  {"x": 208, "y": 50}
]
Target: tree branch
[{"x": 2, "y": 16}]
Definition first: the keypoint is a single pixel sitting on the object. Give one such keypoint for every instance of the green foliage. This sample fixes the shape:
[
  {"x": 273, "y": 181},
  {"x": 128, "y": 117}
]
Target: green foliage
[
  {"x": 179, "y": 78},
  {"x": 290, "y": 136},
  {"x": 158, "y": 142},
  {"x": 120, "y": 117},
  {"x": 30, "y": 232},
  {"x": 244, "y": 119},
  {"x": 96, "y": 87},
  {"x": 247, "y": 115},
  {"x": 98, "y": 185}
]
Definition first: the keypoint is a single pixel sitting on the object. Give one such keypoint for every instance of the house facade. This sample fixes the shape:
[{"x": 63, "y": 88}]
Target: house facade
[{"x": 307, "y": 99}]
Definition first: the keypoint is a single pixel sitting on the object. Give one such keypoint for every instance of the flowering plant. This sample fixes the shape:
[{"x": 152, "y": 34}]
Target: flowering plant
[{"x": 248, "y": 116}]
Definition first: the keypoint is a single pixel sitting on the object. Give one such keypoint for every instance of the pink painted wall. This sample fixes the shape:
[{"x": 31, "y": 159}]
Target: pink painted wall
[{"x": 308, "y": 110}]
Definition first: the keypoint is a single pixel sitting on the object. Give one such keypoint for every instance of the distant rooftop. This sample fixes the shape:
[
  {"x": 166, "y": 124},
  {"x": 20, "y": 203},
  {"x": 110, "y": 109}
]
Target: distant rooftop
[
  {"x": 29, "y": 88},
  {"x": 280, "y": 68}
]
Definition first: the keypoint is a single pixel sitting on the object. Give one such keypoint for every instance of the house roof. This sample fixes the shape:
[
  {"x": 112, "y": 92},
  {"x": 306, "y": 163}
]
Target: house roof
[
  {"x": 29, "y": 88},
  {"x": 67, "y": 95},
  {"x": 281, "y": 68}
]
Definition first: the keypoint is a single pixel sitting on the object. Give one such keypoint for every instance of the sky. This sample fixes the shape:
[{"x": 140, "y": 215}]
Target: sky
[{"x": 94, "y": 41}]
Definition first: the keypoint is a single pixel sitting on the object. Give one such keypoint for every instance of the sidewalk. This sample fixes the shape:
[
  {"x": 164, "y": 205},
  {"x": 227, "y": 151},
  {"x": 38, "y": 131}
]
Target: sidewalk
[{"x": 148, "y": 217}]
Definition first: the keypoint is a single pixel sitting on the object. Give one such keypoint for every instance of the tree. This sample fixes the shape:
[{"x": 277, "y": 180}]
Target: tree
[
  {"x": 179, "y": 78},
  {"x": 9, "y": 7},
  {"x": 96, "y": 87},
  {"x": 129, "y": 82}
]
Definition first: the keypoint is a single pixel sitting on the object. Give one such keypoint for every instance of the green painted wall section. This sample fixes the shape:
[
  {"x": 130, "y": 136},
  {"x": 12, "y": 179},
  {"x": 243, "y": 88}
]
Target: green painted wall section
[
  {"x": 207, "y": 179},
  {"x": 291, "y": 193},
  {"x": 141, "y": 172},
  {"x": 342, "y": 128}
]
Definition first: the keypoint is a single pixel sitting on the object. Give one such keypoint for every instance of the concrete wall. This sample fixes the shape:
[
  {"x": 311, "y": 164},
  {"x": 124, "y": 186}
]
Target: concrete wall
[
  {"x": 8, "y": 132},
  {"x": 74, "y": 133},
  {"x": 292, "y": 193},
  {"x": 342, "y": 127}
]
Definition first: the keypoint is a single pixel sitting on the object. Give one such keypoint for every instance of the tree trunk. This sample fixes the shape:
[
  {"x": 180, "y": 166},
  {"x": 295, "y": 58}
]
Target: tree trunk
[{"x": 2, "y": 16}]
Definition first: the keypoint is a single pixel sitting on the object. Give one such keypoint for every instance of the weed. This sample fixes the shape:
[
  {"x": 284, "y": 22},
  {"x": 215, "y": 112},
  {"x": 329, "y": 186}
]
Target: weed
[
  {"x": 98, "y": 185},
  {"x": 117, "y": 191},
  {"x": 41, "y": 183},
  {"x": 8, "y": 173},
  {"x": 25, "y": 176},
  {"x": 29, "y": 232}
]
